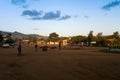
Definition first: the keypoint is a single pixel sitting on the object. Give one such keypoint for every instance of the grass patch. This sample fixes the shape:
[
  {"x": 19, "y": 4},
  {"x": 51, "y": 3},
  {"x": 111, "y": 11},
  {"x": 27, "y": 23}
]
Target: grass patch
[{"x": 110, "y": 51}]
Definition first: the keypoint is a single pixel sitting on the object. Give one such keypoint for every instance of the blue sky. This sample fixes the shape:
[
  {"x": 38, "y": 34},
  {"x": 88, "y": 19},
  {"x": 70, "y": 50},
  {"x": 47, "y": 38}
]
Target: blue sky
[{"x": 65, "y": 17}]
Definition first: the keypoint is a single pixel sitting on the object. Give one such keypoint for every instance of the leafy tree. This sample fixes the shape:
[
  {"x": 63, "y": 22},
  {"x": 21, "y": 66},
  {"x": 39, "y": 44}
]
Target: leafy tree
[
  {"x": 100, "y": 40},
  {"x": 1, "y": 38},
  {"x": 78, "y": 39},
  {"x": 9, "y": 39},
  {"x": 90, "y": 37},
  {"x": 99, "y": 34},
  {"x": 33, "y": 38},
  {"x": 116, "y": 35},
  {"x": 115, "y": 42},
  {"x": 53, "y": 37},
  {"x": 9, "y": 36},
  {"x": 62, "y": 38}
]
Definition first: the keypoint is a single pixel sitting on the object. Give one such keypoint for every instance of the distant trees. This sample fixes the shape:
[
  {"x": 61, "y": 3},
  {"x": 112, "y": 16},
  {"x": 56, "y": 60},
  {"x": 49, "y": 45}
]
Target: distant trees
[
  {"x": 90, "y": 37},
  {"x": 78, "y": 39},
  {"x": 100, "y": 41},
  {"x": 1, "y": 39},
  {"x": 116, "y": 41},
  {"x": 99, "y": 35},
  {"x": 53, "y": 37},
  {"x": 9, "y": 36},
  {"x": 116, "y": 35},
  {"x": 33, "y": 39},
  {"x": 9, "y": 39}
]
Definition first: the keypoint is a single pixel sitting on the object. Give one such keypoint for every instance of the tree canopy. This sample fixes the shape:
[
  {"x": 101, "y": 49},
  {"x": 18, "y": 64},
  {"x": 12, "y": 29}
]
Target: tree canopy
[
  {"x": 116, "y": 35},
  {"x": 53, "y": 36},
  {"x": 90, "y": 37},
  {"x": 1, "y": 38}
]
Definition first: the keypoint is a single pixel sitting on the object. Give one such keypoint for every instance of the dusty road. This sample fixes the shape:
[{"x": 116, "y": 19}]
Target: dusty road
[{"x": 83, "y": 64}]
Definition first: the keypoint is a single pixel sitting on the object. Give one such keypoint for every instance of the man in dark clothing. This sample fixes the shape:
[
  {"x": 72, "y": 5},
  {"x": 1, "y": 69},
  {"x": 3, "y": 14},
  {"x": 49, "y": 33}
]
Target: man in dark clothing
[
  {"x": 36, "y": 47},
  {"x": 19, "y": 50},
  {"x": 59, "y": 45}
]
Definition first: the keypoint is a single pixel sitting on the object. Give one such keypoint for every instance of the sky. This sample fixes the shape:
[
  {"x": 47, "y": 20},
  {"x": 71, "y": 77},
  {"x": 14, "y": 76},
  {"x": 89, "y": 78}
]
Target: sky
[{"x": 65, "y": 17}]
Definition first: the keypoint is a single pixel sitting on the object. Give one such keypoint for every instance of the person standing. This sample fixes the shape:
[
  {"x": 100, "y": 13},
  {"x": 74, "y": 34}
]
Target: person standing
[
  {"x": 36, "y": 47},
  {"x": 19, "y": 50},
  {"x": 59, "y": 45}
]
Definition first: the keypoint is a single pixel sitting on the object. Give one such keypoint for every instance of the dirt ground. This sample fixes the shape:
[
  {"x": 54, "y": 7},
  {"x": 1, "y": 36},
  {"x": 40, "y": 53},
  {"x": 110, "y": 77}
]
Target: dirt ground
[{"x": 66, "y": 64}]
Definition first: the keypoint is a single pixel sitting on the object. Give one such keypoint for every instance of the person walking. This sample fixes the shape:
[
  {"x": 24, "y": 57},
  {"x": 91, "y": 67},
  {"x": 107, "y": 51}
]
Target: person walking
[
  {"x": 36, "y": 47},
  {"x": 59, "y": 45},
  {"x": 19, "y": 50}
]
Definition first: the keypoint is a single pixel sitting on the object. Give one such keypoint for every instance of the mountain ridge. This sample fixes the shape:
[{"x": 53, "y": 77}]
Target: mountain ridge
[{"x": 20, "y": 35}]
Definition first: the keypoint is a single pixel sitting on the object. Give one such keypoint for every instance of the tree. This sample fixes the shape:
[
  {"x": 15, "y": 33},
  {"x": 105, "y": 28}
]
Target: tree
[
  {"x": 90, "y": 37},
  {"x": 78, "y": 39},
  {"x": 9, "y": 39},
  {"x": 33, "y": 39},
  {"x": 9, "y": 36},
  {"x": 53, "y": 37},
  {"x": 116, "y": 35},
  {"x": 99, "y": 40},
  {"x": 99, "y": 34},
  {"x": 1, "y": 39}
]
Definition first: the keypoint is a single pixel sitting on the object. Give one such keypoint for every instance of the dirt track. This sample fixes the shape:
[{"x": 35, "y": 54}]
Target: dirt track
[{"x": 83, "y": 64}]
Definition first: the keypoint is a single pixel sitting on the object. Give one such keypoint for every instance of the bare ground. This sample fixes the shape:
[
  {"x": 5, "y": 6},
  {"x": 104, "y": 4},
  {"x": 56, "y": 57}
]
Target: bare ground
[{"x": 67, "y": 64}]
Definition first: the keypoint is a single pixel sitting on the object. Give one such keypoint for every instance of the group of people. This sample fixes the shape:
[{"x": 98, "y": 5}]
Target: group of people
[{"x": 19, "y": 48}]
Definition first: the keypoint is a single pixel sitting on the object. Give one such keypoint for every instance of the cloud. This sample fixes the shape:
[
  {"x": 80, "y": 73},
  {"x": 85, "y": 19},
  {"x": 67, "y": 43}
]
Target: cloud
[
  {"x": 22, "y": 3},
  {"x": 51, "y": 15},
  {"x": 65, "y": 17},
  {"x": 18, "y": 2},
  {"x": 111, "y": 5},
  {"x": 31, "y": 13},
  {"x": 41, "y": 15},
  {"x": 86, "y": 17}
]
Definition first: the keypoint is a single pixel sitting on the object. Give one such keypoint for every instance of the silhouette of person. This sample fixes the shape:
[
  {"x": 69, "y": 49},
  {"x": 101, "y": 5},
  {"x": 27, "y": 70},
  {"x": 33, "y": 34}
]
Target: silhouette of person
[
  {"x": 19, "y": 50},
  {"x": 45, "y": 47},
  {"x": 59, "y": 45},
  {"x": 36, "y": 47}
]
